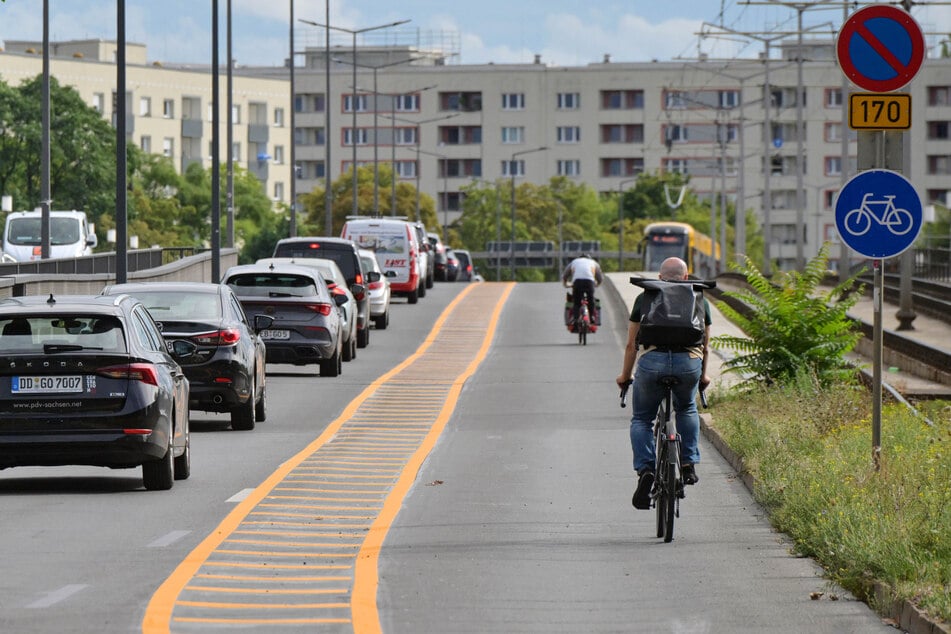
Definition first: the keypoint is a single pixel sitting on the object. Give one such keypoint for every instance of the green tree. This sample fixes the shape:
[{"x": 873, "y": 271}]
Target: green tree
[
  {"x": 793, "y": 329},
  {"x": 82, "y": 151},
  {"x": 313, "y": 203}
]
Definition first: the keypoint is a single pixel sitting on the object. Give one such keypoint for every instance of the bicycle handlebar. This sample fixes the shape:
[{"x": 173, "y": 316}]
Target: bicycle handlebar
[
  {"x": 624, "y": 389},
  {"x": 703, "y": 399}
]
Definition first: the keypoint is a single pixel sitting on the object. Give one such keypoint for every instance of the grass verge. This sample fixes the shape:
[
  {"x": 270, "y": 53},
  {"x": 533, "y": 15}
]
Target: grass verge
[{"x": 815, "y": 475}]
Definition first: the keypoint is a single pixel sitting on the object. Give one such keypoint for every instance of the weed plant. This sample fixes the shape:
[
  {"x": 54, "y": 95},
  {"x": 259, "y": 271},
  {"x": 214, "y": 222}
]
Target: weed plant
[{"x": 815, "y": 475}]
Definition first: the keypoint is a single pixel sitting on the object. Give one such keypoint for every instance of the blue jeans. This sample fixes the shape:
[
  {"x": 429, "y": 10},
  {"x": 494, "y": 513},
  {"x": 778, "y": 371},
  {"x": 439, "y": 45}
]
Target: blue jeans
[{"x": 648, "y": 395}]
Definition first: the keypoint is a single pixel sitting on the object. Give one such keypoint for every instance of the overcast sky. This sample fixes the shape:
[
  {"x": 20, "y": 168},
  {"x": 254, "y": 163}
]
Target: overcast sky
[{"x": 563, "y": 32}]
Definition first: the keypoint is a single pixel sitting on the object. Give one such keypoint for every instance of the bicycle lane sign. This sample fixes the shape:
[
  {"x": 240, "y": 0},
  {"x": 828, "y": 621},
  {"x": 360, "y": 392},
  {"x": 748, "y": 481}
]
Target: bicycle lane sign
[{"x": 878, "y": 213}]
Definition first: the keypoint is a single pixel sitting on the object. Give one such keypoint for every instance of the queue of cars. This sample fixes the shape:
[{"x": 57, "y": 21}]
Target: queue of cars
[{"x": 110, "y": 380}]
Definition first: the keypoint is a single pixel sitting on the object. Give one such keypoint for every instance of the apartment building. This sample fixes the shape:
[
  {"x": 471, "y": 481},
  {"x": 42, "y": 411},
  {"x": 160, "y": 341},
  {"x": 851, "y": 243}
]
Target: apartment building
[
  {"x": 169, "y": 108},
  {"x": 444, "y": 124},
  {"x": 604, "y": 123}
]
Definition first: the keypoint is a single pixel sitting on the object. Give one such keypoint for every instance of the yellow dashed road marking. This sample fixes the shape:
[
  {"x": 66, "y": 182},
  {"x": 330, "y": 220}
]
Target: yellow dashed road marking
[{"x": 328, "y": 508}]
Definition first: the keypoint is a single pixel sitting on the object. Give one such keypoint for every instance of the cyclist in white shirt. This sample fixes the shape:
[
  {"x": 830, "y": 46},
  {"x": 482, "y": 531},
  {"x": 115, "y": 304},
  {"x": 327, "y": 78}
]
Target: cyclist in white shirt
[{"x": 583, "y": 274}]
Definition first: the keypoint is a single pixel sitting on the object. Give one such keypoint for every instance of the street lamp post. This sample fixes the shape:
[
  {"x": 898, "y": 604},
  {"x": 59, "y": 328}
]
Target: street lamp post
[
  {"x": 353, "y": 104},
  {"x": 512, "y": 176},
  {"x": 620, "y": 223}
]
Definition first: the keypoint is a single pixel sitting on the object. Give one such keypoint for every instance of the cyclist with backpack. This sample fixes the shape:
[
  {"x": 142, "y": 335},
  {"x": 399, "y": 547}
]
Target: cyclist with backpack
[
  {"x": 660, "y": 346},
  {"x": 583, "y": 274}
]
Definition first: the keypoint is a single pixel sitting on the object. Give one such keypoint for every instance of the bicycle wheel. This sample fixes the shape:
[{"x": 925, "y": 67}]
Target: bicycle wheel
[
  {"x": 670, "y": 501},
  {"x": 660, "y": 499}
]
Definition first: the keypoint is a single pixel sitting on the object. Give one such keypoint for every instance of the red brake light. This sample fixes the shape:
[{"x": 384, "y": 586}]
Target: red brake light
[
  {"x": 313, "y": 245},
  {"x": 144, "y": 372},
  {"x": 375, "y": 285},
  {"x": 359, "y": 278},
  {"x": 323, "y": 309},
  {"x": 225, "y": 337}
]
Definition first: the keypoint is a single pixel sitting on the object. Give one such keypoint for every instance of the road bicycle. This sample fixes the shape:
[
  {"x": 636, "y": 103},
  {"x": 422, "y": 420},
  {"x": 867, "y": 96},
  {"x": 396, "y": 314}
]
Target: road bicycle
[
  {"x": 668, "y": 487},
  {"x": 584, "y": 324},
  {"x": 897, "y": 221}
]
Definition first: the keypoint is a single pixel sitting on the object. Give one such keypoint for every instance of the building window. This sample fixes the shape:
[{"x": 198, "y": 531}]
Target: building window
[
  {"x": 361, "y": 136},
  {"x": 939, "y": 164},
  {"x": 235, "y": 151},
  {"x": 279, "y": 117},
  {"x": 406, "y": 103},
  {"x": 98, "y": 102},
  {"x": 513, "y": 168},
  {"x": 406, "y": 136},
  {"x": 622, "y": 99},
  {"x": 938, "y": 130},
  {"x": 406, "y": 169},
  {"x": 833, "y": 98},
  {"x": 568, "y": 134},
  {"x": 168, "y": 109},
  {"x": 513, "y": 101},
  {"x": 278, "y": 191},
  {"x": 513, "y": 135},
  {"x": 236, "y": 114},
  {"x": 145, "y": 107},
  {"x": 279, "y": 154},
  {"x": 360, "y": 100},
  {"x": 833, "y": 165},
  {"x": 571, "y": 167},
  {"x": 939, "y": 95},
  {"x": 145, "y": 144},
  {"x": 674, "y": 99},
  {"x": 568, "y": 101},
  {"x": 168, "y": 147},
  {"x": 729, "y": 98}
]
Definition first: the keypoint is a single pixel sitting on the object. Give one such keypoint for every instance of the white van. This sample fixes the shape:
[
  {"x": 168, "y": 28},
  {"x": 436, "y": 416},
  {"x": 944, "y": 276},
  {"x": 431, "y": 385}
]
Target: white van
[
  {"x": 70, "y": 235},
  {"x": 397, "y": 250}
]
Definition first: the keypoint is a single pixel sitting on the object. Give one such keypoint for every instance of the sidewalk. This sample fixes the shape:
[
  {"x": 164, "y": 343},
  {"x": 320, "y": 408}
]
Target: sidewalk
[{"x": 928, "y": 331}]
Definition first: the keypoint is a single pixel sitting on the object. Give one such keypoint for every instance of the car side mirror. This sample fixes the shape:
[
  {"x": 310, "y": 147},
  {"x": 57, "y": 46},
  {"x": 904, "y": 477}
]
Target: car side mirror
[
  {"x": 262, "y": 322},
  {"x": 92, "y": 240},
  {"x": 373, "y": 276},
  {"x": 182, "y": 348},
  {"x": 340, "y": 300}
]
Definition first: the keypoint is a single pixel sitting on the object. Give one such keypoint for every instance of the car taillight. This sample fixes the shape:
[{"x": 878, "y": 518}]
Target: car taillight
[
  {"x": 375, "y": 285},
  {"x": 358, "y": 279},
  {"x": 144, "y": 372},
  {"x": 224, "y": 337},
  {"x": 323, "y": 309}
]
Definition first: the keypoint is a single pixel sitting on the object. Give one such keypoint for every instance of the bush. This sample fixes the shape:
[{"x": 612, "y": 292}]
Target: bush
[{"x": 793, "y": 330}]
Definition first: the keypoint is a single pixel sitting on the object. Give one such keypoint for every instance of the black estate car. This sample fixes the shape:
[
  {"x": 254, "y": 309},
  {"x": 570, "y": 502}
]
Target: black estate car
[
  {"x": 227, "y": 370},
  {"x": 88, "y": 380}
]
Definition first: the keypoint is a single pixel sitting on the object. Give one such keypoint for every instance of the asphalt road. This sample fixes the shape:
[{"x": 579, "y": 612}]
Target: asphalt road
[{"x": 519, "y": 520}]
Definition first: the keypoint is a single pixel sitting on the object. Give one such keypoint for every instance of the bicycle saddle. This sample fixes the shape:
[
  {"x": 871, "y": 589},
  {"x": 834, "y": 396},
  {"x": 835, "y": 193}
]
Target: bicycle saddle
[{"x": 669, "y": 380}]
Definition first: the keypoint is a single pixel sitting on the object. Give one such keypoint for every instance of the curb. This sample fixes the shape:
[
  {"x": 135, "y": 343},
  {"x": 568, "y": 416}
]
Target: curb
[{"x": 899, "y": 613}]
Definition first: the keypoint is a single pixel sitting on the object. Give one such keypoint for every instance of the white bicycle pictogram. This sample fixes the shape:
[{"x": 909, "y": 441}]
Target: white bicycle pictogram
[{"x": 896, "y": 220}]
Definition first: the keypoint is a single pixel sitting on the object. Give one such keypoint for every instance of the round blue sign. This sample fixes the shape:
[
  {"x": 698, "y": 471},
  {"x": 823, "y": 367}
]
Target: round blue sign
[
  {"x": 878, "y": 213},
  {"x": 777, "y": 143}
]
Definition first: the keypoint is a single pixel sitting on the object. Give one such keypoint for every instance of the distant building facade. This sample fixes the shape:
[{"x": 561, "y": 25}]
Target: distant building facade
[{"x": 168, "y": 109}]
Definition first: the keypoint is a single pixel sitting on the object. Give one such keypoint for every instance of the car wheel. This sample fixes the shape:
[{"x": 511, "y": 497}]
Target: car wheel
[
  {"x": 183, "y": 463},
  {"x": 413, "y": 297},
  {"x": 157, "y": 474},
  {"x": 429, "y": 281},
  {"x": 331, "y": 366},
  {"x": 260, "y": 408},
  {"x": 242, "y": 416},
  {"x": 382, "y": 321},
  {"x": 349, "y": 349},
  {"x": 363, "y": 338},
  {"x": 422, "y": 289}
]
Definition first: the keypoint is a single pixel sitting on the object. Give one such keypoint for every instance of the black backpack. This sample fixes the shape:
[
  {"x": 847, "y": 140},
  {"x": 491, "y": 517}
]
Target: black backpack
[{"x": 672, "y": 313}]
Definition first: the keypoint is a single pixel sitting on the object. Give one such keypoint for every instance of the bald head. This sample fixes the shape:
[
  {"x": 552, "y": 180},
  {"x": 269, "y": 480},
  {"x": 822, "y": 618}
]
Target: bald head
[{"x": 673, "y": 269}]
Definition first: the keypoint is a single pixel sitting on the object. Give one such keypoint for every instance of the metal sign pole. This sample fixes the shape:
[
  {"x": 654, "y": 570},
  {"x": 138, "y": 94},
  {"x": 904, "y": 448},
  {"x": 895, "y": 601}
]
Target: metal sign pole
[{"x": 877, "y": 285}]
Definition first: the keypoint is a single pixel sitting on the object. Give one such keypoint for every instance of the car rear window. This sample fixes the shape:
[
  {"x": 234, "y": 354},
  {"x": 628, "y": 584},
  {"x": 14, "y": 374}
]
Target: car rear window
[
  {"x": 342, "y": 254},
  {"x": 272, "y": 285},
  {"x": 180, "y": 306},
  {"x": 49, "y": 334}
]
